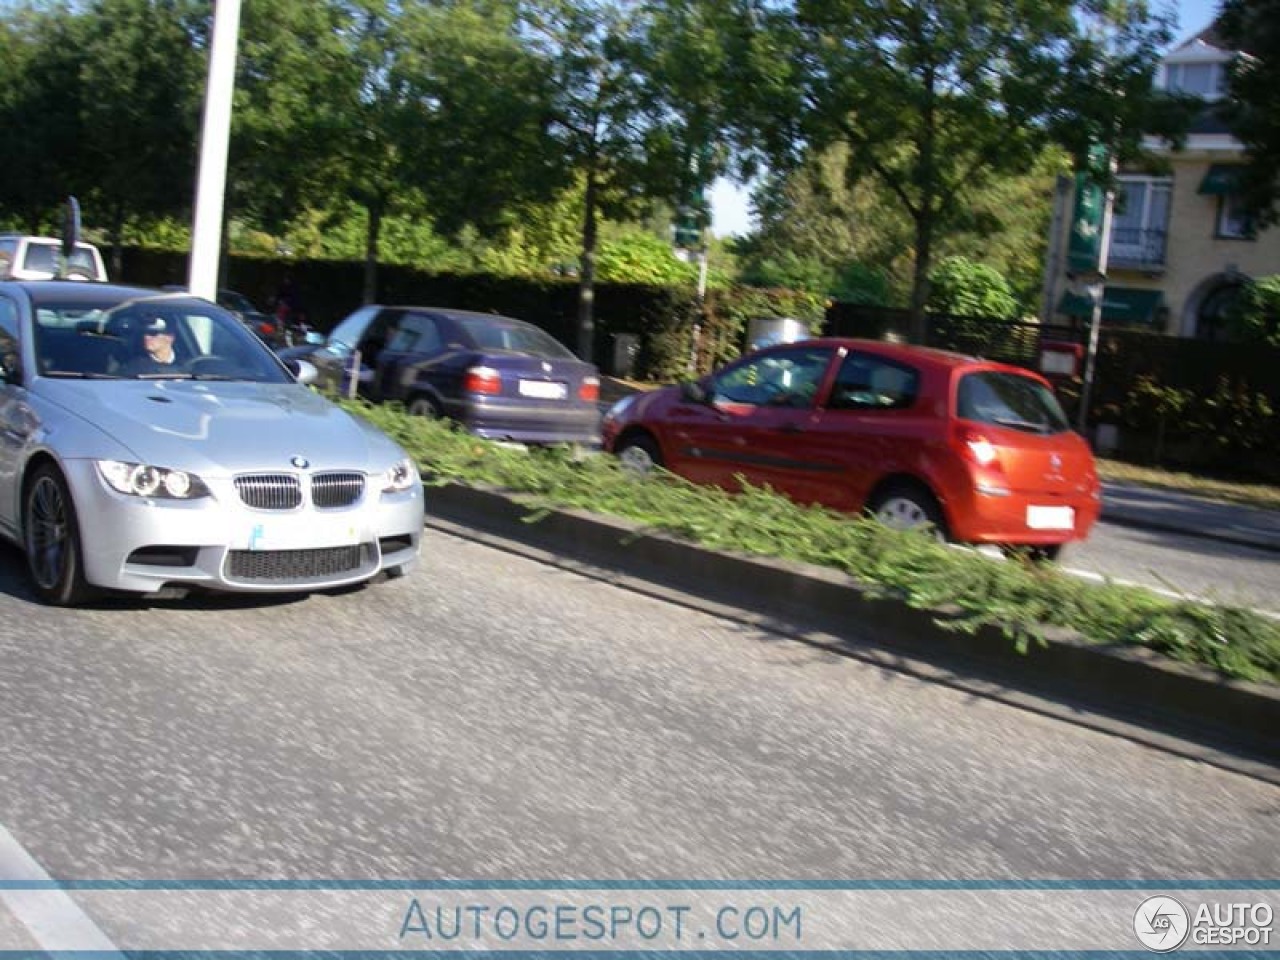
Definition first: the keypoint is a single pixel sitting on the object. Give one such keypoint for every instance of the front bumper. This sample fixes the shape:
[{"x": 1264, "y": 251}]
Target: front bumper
[{"x": 143, "y": 545}]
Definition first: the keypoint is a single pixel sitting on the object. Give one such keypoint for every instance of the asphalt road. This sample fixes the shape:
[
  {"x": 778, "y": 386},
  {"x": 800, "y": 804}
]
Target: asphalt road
[
  {"x": 493, "y": 718},
  {"x": 1180, "y": 564}
]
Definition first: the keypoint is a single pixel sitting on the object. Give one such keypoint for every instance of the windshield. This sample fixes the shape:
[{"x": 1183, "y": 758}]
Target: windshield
[
  {"x": 513, "y": 336},
  {"x": 1010, "y": 400},
  {"x": 152, "y": 338}
]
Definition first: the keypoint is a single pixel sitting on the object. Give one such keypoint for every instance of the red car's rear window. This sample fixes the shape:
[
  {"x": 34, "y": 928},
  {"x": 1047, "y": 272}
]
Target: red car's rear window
[{"x": 1010, "y": 400}]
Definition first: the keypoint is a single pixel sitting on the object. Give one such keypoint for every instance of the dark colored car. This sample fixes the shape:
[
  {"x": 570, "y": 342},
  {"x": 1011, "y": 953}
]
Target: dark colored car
[
  {"x": 498, "y": 377},
  {"x": 979, "y": 450}
]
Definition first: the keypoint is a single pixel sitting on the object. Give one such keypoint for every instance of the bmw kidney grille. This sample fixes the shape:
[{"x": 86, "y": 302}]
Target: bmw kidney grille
[{"x": 283, "y": 491}]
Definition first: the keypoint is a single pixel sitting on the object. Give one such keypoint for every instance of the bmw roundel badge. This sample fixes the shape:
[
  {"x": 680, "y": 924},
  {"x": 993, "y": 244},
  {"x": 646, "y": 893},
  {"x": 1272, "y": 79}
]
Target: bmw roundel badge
[{"x": 301, "y": 462}]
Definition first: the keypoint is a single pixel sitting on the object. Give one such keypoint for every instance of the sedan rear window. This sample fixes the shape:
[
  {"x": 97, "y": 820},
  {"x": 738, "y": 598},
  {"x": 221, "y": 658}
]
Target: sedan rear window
[
  {"x": 1010, "y": 400},
  {"x": 515, "y": 337}
]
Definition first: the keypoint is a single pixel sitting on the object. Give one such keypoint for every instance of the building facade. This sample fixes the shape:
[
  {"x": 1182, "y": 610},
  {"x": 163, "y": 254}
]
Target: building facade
[{"x": 1182, "y": 243}]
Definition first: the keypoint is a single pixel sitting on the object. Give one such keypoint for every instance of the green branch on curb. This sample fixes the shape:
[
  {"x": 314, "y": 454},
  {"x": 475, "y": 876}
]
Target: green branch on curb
[{"x": 1028, "y": 602}]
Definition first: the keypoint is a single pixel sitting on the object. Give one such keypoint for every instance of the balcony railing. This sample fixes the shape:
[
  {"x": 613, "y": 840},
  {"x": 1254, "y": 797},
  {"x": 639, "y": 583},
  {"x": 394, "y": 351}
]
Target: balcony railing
[{"x": 1137, "y": 249}]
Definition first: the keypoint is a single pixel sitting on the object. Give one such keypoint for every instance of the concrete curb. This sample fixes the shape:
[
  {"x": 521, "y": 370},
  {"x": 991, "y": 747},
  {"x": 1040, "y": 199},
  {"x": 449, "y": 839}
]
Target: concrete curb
[{"x": 1127, "y": 690}]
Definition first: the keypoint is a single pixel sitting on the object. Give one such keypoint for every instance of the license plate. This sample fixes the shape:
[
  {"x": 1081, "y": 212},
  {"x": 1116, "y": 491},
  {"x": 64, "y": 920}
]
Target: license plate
[
  {"x": 1051, "y": 518},
  {"x": 543, "y": 389}
]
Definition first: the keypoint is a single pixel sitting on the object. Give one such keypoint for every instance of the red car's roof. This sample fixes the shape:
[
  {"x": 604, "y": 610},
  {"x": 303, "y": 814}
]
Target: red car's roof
[{"x": 911, "y": 353}]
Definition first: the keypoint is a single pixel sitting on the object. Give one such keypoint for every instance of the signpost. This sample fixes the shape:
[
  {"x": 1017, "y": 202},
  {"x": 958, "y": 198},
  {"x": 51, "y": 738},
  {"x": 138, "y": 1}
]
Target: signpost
[{"x": 1087, "y": 249}]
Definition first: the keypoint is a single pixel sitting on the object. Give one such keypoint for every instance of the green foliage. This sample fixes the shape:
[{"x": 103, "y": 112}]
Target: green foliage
[
  {"x": 858, "y": 283},
  {"x": 1257, "y": 315},
  {"x": 936, "y": 100},
  {"x": 1254, "y": 27},
  {"x": 964, "y": 288},
  {"x": 637, "y": 256},
  {"x": 969, "y": 591},
  {"x": 1229, "y": 423},
  {"x": 790, "y": 269}
]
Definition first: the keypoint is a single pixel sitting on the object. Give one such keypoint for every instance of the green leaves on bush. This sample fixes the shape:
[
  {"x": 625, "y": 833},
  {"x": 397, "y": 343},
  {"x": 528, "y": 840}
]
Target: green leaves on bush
[{"x": 968, "y": 590}]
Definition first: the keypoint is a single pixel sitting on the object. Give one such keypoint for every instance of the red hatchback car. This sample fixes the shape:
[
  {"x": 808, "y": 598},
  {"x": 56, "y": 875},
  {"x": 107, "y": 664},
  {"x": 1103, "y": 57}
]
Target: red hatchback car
[{"x": 980, "y": 450}]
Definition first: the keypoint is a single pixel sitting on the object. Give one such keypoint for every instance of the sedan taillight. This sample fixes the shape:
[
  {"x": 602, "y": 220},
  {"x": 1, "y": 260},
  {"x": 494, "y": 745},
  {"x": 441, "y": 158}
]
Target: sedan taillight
[
  {"x": 482, "y": 380},
  {"x": 590, "y": 389}
]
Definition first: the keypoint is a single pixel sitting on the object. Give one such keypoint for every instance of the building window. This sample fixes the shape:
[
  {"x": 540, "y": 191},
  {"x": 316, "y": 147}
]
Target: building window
[
  {"x": 1235, "y": 218},
  {"x": 1140, "y": 223},
  {"x": 1205, "y": 80}
]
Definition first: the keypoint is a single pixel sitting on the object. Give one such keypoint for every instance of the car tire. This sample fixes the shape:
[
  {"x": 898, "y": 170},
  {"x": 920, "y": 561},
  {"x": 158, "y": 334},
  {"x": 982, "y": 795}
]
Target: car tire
[
  {"x": 906, "y": 506},
  {"x": 639, "y": 453},
  {"x": 424, "y": 406},
  {"x": 51, "y": 538}
]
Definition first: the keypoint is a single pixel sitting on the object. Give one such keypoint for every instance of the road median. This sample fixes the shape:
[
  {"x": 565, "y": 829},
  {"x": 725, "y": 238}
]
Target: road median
[{"x": 1124, "y": 689}]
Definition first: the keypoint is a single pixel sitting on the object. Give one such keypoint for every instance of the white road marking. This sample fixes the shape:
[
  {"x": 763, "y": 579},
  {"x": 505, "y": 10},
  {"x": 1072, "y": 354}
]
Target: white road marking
[{"x": 50, "y": 915}]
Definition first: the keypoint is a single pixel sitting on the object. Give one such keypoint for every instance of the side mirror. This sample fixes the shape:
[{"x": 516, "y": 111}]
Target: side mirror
[
  {"x": 694, "y": 391},
  {"x": 304, "y": 371}
]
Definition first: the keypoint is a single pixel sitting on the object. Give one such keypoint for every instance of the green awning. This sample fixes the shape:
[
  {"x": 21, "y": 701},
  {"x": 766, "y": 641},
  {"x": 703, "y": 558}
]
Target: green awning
[
  {"x": 1122, "y": 305},
  {"x": 1221, "y": 179}
]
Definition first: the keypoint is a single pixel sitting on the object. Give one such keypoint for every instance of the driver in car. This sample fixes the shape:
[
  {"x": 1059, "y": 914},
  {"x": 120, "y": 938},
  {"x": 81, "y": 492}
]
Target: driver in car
[{"x": 157, "y": 345}]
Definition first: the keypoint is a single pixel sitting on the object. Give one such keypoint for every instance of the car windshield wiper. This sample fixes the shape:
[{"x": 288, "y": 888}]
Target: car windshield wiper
[
  {"x": 214, "y": 376},
  {"x": 79, "y": 375},
  {"x": 161, "y": 376},
  {"x": 1024, "y": 425}
]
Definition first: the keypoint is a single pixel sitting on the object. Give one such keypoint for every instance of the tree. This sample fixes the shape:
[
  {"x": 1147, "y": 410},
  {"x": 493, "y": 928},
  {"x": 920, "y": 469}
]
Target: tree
[
  {"x": 937, "y": 99},
  {"x": 143, "y": 77},
  {"x": 40, "y": 58},
  {"x": 1257, "y": 314},
  {"x": 1253, "y": 110},
  {"x": 964, "y": 288}
]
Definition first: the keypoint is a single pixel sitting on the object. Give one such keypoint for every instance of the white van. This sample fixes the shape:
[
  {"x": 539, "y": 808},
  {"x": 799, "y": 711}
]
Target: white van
[{"x": 40, "y": 258}]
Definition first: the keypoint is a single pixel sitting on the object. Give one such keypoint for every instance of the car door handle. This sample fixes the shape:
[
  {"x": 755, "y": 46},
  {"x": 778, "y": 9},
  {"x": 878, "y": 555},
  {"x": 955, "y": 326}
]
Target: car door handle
[{"x": 791, "y": 428}]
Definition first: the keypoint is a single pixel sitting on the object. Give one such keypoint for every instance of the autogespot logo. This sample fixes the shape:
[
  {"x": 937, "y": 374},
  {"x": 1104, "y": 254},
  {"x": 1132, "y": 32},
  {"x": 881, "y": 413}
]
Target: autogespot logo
[{"x": 1161, "y": 923}]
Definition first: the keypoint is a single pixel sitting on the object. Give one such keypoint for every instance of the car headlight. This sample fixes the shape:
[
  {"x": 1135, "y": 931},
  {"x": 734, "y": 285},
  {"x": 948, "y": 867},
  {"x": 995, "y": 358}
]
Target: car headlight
[
  {"x": 400, "y": 477},
  {"x": 144, "y": 480}
]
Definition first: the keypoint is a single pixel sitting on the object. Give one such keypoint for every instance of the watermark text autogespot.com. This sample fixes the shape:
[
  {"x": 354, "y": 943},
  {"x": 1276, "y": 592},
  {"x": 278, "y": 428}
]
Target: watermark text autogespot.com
[{"x": 670, "y": 924}]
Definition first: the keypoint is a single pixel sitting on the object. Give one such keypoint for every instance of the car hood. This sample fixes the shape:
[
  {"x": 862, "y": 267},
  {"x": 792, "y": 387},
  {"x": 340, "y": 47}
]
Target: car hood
[{"x": 223, "y": 427}]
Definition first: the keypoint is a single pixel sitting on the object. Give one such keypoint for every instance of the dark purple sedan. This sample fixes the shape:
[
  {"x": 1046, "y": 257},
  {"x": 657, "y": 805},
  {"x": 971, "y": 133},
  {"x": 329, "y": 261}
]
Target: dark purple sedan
[{"x": 500, "y": 378}]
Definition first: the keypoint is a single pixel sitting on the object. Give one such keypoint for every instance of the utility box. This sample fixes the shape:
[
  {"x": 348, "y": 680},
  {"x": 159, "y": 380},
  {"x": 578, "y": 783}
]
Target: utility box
[
  {"x": 766, "y": 331},
  {"x": 622, "y": 361}
]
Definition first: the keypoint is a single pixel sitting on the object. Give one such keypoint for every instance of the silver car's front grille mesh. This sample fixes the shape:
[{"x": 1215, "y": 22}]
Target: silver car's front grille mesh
[
  {"x": 296, "y": 566},
  {"x": 270, "y": 491},
  {"x": 336, "y": 489}
]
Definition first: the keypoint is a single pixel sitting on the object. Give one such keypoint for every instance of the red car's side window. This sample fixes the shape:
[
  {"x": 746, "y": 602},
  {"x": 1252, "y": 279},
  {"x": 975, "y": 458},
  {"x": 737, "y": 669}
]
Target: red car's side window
[{"x": 866, "y": 382}]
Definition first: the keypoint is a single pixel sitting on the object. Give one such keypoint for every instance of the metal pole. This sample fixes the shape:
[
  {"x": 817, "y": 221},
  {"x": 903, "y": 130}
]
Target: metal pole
[
  {"x": 1095, "y": 317},
  {"x": 215, "y": 137},
  {"x": 702, "y": 300}
]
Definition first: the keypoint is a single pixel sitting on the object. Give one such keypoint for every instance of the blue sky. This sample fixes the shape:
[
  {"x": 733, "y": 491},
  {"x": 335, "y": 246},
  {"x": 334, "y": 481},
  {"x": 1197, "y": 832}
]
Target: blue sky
[{"x": 729, "y": 203}]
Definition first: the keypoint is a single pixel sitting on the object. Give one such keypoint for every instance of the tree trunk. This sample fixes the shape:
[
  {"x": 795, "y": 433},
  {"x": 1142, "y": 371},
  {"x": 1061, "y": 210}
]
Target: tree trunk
[
  {"x": 116, "y": 272},
  {"x": 587, "y": 273},
  {"x": 370, "y": 294},
  {"x": 924, "y": 215},
  {"x": 918, "y": 322}
]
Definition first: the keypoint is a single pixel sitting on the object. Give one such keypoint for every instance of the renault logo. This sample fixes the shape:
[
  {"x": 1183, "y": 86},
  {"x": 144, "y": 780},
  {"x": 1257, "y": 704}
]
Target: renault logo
[
  {"x": 301, "y": 462},
  {"x": 1055, "y": 463}
]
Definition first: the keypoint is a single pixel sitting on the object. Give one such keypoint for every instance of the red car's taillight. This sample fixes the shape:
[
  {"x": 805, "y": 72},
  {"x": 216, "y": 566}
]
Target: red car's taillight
[
  {"x": 977, "y": 449},
  {"x": 482, "y": 380},
  {"x": 590, "y": 389}
]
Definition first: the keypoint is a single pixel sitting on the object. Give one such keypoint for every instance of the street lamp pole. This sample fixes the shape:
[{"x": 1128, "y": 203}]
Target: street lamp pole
[{"x": 215, "y": 137}]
